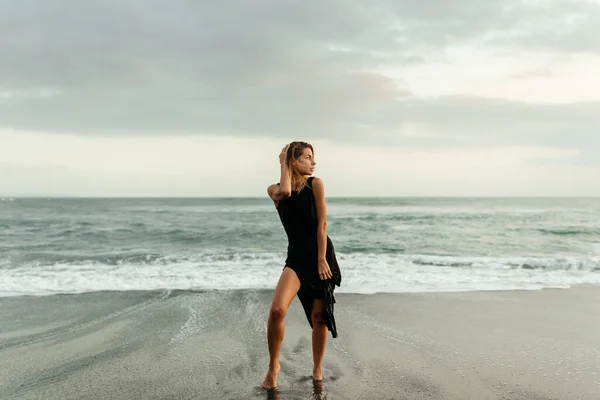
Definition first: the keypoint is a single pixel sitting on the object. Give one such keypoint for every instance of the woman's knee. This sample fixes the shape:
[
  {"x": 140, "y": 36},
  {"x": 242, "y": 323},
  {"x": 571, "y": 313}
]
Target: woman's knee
[
  {"x": 277, "y": 313},
  {"x": 318, "y": 318}
]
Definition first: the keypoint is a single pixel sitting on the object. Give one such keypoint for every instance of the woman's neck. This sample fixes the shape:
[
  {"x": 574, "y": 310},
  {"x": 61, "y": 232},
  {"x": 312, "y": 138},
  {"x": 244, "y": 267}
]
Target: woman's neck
[{"x": 300, "y": 185}]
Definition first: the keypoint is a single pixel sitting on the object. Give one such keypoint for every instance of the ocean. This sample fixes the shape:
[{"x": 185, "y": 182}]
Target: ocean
[{"x": 77, "y": 245}]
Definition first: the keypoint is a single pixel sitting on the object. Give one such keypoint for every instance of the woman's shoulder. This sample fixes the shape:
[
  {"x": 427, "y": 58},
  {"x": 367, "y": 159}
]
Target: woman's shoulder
[{"x": 315, "y": 182}]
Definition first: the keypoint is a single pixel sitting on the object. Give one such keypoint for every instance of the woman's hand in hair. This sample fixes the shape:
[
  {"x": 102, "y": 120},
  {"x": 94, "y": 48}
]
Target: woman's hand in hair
[{"x": 283, "y": 155}]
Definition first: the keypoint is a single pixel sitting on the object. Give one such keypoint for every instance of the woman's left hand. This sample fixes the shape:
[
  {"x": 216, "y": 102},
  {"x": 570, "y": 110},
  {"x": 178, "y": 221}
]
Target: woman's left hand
[{"x": 324, "y": 271}]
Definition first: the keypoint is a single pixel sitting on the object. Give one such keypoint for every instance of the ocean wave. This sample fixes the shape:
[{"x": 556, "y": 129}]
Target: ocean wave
[
  {"x": 570, "y": 232},
  {"x": 362, "y": 273},
  {"x": 525, "y": 263}
]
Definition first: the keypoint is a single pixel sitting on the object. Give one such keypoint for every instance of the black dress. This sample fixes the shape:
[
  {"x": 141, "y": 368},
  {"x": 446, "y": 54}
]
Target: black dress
[{"x": 298, "y": 215}]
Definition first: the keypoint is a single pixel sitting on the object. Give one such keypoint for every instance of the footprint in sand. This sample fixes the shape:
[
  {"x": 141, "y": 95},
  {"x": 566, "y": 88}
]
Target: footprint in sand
[{"x": 302, "y": 345}]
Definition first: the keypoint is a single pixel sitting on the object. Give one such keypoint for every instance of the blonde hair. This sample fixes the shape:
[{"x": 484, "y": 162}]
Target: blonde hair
[{"x": 294, "y": 152}]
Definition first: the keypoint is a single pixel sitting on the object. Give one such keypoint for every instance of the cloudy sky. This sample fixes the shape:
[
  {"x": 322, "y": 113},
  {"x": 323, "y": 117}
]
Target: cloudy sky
[{"x": 399, "y": 97}]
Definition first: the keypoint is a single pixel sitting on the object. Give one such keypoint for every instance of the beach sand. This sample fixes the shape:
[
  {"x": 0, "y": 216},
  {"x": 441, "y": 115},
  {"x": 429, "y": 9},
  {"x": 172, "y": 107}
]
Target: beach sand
[{"x": 211, "y": 345}]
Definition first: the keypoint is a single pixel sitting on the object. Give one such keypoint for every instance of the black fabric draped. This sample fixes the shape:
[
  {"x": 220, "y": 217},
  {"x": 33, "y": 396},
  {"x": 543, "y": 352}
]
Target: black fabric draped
[{"x": 298, "y": 214}]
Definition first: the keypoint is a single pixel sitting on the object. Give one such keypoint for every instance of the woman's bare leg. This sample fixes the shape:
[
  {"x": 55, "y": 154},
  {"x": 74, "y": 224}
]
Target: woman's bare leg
[
  {"x": 286, "y": 289},
  {"x": 319, "y": 337}
]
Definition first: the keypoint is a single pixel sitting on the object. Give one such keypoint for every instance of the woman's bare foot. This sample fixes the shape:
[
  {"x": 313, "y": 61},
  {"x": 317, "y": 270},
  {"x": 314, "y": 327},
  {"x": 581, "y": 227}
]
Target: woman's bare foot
[
  {"x": 271, "y": 377},
  {"x": 317, "y": 374}
]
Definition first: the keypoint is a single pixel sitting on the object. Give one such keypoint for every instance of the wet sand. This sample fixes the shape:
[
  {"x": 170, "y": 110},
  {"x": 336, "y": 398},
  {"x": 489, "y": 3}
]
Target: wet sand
[{"x": 211, "y": 345}]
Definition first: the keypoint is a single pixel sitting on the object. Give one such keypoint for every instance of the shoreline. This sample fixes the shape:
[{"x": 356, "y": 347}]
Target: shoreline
[{"x": 337, "y": 293}]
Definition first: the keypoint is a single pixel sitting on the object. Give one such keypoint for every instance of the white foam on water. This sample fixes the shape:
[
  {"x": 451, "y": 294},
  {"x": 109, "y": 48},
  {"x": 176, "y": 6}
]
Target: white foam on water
[{"x": 362, "y": 273}]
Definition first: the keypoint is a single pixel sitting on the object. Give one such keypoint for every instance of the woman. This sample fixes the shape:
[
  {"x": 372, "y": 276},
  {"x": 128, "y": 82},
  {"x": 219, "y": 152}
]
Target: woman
[{"x": 311, "y": 270}]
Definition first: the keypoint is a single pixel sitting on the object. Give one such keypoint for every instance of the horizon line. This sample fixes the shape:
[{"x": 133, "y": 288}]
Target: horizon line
[{"x": 328, "y": 197}]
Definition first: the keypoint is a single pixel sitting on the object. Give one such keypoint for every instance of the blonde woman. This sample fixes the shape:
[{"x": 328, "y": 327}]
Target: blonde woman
[{"x": 311, "y": 270}]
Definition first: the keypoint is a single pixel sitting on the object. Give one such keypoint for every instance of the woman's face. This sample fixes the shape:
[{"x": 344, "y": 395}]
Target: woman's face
[{"x": 305, "y": 164}]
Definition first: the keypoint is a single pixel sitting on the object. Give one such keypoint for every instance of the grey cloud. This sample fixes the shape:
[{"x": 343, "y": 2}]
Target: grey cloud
[
  {"x": 133, "y": 42},
  {"x": 73, "y": 43},
  {"x": 274, "y": 68},
  {"x": 569, "y": 27}
]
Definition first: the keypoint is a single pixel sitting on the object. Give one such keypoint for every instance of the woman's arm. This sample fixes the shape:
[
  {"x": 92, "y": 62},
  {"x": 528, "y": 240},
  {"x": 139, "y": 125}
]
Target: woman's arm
[
  {"x": 284, "y": 189},
  {"x": 319, "y": 193}
]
